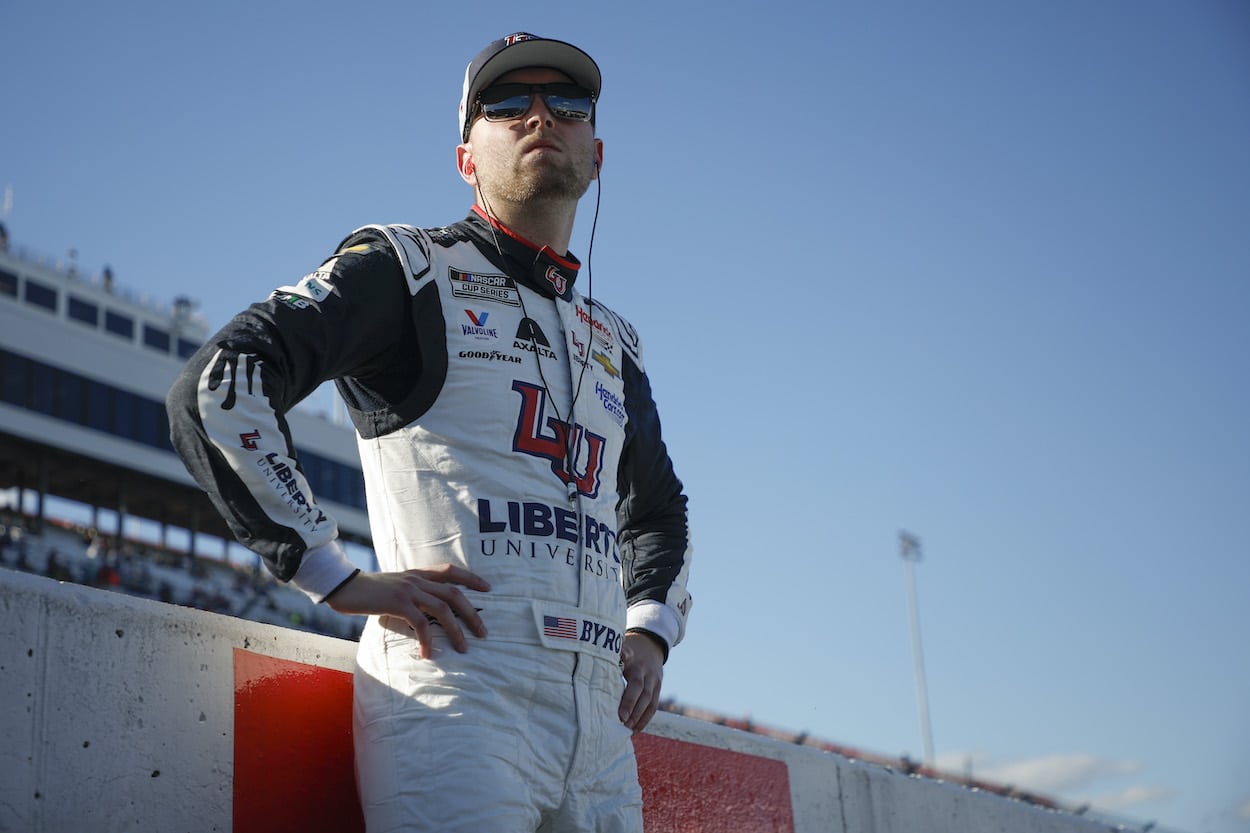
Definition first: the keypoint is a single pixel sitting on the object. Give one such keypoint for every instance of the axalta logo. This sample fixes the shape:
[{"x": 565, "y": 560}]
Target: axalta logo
[
  {"x": 478, "y": 328},
  {"x": 531, "y": 339},
  {"x": 553, "y": 439},
  {"x": 315, "y": 287}
]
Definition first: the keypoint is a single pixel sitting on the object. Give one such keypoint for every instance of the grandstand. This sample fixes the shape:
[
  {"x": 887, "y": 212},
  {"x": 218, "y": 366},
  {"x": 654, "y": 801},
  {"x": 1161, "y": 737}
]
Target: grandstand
[{"x": 86, "y": 462}]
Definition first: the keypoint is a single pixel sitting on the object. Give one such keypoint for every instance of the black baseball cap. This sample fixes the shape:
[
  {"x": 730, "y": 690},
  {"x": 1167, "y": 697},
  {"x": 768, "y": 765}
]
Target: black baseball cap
[{"x": 521, "y": 50}]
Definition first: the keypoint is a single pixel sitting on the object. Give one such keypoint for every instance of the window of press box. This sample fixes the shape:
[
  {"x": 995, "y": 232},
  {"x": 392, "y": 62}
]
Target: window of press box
[
  {"x": 84, "y": 311},
  {"x": 8, "y": 283},
  {"x": 14, "y": 378},
  {"x": 119, "y": 324},
  {"x": 156, "y": 338},
  {"x": 40, "y": 295},
  {"x": 186, "y": 349},
  {"x": 99, "y": 405}
]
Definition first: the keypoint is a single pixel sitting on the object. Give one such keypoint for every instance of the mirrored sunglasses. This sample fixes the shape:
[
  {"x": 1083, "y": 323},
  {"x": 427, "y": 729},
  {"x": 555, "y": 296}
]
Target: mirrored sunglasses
[{"x": 504, "y": 102}]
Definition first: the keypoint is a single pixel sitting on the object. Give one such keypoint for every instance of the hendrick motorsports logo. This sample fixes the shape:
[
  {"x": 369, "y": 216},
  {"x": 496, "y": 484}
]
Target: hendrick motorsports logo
[
  {"x": 601, "y": 330},
  {"x": 611, "y": 402}
]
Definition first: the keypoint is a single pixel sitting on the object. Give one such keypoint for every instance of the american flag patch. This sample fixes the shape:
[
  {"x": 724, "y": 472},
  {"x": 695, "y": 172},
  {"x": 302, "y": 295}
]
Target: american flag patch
[{"x": 560, "y": 626}]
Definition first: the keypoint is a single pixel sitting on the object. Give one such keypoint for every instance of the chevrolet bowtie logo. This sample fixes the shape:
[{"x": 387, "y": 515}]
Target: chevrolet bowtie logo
[{"x": 607, "y": 364}]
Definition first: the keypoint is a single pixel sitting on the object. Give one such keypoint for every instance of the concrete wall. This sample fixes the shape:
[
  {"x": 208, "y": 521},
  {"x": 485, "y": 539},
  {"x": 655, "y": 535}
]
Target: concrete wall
[{"x": 120, "y": 714}]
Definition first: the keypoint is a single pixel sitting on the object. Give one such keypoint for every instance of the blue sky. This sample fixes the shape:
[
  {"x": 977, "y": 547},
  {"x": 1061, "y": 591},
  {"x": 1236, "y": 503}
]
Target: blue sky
[{"x": 977, "y": 270}]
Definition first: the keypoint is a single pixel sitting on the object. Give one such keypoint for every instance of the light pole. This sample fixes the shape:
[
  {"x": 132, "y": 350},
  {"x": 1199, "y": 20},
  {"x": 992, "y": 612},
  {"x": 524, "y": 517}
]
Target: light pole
[{"x": 909, "y": 549}]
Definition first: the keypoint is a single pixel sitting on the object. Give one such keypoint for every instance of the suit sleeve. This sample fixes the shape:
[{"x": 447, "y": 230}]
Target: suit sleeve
[
  {"x": 654, "y": 533},
  {"x": 227, "y": 408}
]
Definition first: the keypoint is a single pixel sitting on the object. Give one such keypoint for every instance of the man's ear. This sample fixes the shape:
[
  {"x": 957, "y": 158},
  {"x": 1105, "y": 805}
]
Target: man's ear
[
  {"x": 464, "y": 162},
  {"x": 598, "y": 158}
]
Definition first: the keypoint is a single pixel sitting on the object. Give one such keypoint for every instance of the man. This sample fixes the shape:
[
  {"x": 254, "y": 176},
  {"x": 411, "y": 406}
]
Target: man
[{"x": 531, "y": 534}]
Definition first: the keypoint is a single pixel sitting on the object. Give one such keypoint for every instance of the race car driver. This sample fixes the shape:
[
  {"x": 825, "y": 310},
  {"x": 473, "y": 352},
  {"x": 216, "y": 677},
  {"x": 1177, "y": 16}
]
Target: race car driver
[{"x": 531, "y": 534}]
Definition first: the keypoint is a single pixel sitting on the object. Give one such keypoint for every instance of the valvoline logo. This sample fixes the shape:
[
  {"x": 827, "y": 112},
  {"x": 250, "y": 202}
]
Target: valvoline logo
[{"x": 478, "y": 328}]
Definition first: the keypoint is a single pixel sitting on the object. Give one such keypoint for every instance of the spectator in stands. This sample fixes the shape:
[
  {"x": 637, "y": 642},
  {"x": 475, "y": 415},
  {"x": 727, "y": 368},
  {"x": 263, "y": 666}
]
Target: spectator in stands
[
  {"x": 108, "y": 577},
  {"x": 55, "y": 568},
  {"x": 515, "y": 469}
]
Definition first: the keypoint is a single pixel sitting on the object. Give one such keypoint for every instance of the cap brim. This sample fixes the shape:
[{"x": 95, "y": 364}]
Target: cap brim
[{"x": 557, "y": 55}]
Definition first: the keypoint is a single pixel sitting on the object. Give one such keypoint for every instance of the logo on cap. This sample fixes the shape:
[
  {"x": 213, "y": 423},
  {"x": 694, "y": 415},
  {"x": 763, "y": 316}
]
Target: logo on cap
[{"x": 518, "y": 37}]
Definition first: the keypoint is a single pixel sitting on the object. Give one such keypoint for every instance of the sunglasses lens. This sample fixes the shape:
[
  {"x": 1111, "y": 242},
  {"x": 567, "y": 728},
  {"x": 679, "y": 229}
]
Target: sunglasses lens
[
  {"x": 568, "y": 101},
  {"x": 574, "y": 109},
  {"x": 511, "y": 101},
  {"x": 512, "y": 107}
]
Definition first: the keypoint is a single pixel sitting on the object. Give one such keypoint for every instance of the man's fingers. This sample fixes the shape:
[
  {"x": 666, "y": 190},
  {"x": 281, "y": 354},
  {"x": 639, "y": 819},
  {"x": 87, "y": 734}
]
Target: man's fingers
[
  {"x": 628, "y": 700},
  {"x": 455, "y": 574},
  {"x": 421, "y": 629},
  {"x": 642, "y": 664},
  {"x": 638, "y": 705},
  {"x": 641, "y": 720},
  {"x": 640, "y": 699},
  {"x": 461, "y": 607},
  {"x": 449, "y": 607},
  {"x": 420, "y": 597}
]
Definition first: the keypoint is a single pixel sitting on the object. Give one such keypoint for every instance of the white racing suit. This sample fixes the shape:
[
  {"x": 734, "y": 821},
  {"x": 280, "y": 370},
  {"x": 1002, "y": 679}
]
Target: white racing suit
[{"x": 505, "y": 424}]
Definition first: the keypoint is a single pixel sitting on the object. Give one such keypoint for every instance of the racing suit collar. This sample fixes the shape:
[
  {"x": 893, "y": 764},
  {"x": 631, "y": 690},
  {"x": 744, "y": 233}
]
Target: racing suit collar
[{"x": 539, "y": 267}]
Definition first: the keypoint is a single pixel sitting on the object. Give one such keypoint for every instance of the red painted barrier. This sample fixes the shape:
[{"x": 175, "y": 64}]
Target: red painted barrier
[
  {"x": 293, "y": 768},
  {"x": 293, "y": 763},
  {"x": 689, "y": 788}
]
